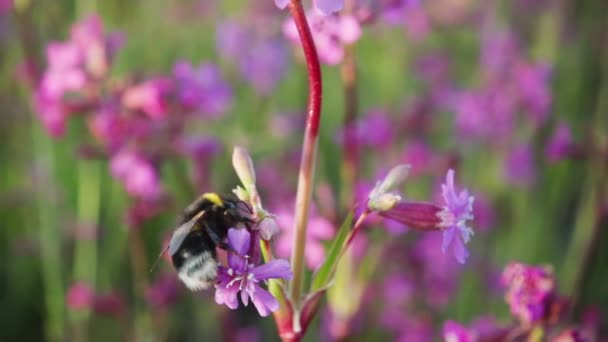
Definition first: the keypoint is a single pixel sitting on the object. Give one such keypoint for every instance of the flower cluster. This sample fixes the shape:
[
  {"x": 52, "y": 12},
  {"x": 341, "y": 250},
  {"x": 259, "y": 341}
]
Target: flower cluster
[
  {"x": 530, "y": 291},
  {"x": 532, "y": 296},
  {"x": 330, "y": 33},
  {"x": 135, "y": 122},
  {"x": 323, "y": 6}
]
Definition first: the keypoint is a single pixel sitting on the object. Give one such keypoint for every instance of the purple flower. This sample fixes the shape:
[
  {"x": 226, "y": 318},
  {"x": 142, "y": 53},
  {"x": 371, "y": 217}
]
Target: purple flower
[
  {"x": 150, "y": 97},
  {"x": 202, "y": 89},
  {"x": 80, "y": 296},
  {"x": 329, "y": 33},
  {"x": 263, "y": 61},
  {"x": 454, "y": 332},
  {"x": 52, "y": 114},
  {"x": 64, "y": 72},
  {"x": 530, "y": 290},
  {"x": 484, "y": 213},
  {"x": 232, "y": 39},
  {"x": 136, "y": 173},
  {"x": 519, "y": 165},
  {"x": 420, "y": 155},
  {"x": 532, "y": 82},
  {"x": 5, "y": 6},
  {"x": 457, "y": 211},
  {"x": 410, "y": 13},
  {"x": 486, "y": 113},
  {"x": 326, "y": 7},
  {"x": 484, "y": 328},
  {"x": 319, "y": 230},
  {"x": 89, "y": 35},
  {"x": 109, "y": 126},
  {"x": 438, "y": 271},
  {"x": 265, "y": 65},
  {"x": 560, "y": 144},
  {"x": 376, "y": 129},
  {"x": 241, "y": 275}
]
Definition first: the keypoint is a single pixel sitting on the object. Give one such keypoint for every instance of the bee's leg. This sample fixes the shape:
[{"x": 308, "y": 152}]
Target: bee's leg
[{"x": 219, "y": 242}]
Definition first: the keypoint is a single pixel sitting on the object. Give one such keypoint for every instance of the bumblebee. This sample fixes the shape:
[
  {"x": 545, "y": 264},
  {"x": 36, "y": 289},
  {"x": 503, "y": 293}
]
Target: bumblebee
[{"x": 202, "y": 228}]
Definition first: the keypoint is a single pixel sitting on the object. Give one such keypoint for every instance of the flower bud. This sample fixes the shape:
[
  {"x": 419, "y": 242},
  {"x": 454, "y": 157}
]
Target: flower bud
[
  {"x": 241, "y": 193},
  {"x": 383, "y": 202},
  {"x": 416, "y": 215},
  {"x": 243, "y": 165},
  {"x": 380, "y": 198},
  {"x": 268, "y": 228}
]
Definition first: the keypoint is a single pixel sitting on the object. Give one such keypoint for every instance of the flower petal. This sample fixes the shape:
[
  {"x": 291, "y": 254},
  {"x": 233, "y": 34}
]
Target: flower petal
[
  {"x": 281, "y": 4},
  {"x": 227, "y": 296},
  {"x": 276, "y": 268},
  {"x": 263, "y": 301},
  {"x": 245, "y": 297},
  {"x": 460, "y": 251},
  {"x": 239, "y": 240},
  {"x": 448, "y": 237},
  {"x": 328, "y": 6}
]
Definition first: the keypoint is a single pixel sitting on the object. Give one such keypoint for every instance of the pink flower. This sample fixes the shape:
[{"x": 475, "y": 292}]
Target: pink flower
[
  {"x": 150, "y": 97},
  {"x": 457, "y": 211},
  {"x": 325, "y": 7},
  {"x": 530, "y": 290},
  {"x": 319, "y": 230},
  {"x": 136, "y": 173},
  {"x": 560, "y": 144},
  {"x": 329, "y": 33},
  {"x": 80, "y": 296}
]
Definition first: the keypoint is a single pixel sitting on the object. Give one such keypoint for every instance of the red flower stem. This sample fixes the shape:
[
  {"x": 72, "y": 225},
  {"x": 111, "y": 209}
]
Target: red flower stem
[{"x": 309, "y": 151}]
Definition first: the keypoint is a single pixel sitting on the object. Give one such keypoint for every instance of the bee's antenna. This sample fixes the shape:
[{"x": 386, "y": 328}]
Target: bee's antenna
[{"x": 159, "y": 257}]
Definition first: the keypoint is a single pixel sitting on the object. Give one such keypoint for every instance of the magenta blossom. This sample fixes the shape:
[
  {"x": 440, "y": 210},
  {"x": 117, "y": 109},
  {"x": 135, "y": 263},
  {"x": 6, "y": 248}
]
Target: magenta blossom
[
  {"x": 138, "y": 174},
  {"x": 329, "y": 33},
  {"x": 326, "y": 7},
  {"x": 457, "y": 211},
  {"x": 454, "y": 332},
  {"x": 560, "y": 144},
  {"x": 530, "y": 290},
  {"x": 202, "y": 88},
  {"x": 319, "y": 230},
  {"x": 241, "y": 275}
]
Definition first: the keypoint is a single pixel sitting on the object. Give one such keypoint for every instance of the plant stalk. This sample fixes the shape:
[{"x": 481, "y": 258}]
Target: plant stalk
[{"x": 309, "y": 150}]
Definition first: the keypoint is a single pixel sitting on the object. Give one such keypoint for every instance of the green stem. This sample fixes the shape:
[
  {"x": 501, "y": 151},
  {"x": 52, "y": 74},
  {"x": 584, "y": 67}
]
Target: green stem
[
  {"x": 50, "y": 237},
  {"x": 85, "y": 255}
]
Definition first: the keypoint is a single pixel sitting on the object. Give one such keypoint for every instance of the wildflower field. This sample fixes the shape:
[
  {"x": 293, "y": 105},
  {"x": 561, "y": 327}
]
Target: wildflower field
[{"x": 304, "y": 170}]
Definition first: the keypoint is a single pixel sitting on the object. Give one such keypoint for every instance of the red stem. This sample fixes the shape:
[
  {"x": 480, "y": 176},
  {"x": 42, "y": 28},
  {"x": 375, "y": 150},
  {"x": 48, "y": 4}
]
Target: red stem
[
  {"x": 309, "y": 148},
  {"x": 307, "y": 166},
  {"x": 314, "y": 68}
]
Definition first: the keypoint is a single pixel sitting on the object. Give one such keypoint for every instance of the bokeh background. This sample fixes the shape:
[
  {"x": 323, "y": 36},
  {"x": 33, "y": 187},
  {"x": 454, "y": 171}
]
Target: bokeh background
[{"x": 97, "y": 159}]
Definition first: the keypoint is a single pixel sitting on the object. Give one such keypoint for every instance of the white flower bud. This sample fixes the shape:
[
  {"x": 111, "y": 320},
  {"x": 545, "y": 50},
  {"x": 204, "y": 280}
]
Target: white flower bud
[{"x": 243, "y": 165}]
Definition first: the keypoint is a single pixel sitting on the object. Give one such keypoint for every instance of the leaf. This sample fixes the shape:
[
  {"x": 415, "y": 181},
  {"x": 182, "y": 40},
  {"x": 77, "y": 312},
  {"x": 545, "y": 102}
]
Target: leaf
[{"x": 324, "y": 274}]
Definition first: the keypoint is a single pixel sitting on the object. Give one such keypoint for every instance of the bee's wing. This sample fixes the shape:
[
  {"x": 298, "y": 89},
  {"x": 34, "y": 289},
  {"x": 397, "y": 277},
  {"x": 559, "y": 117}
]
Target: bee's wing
[{"x": 180, "y": 233}]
